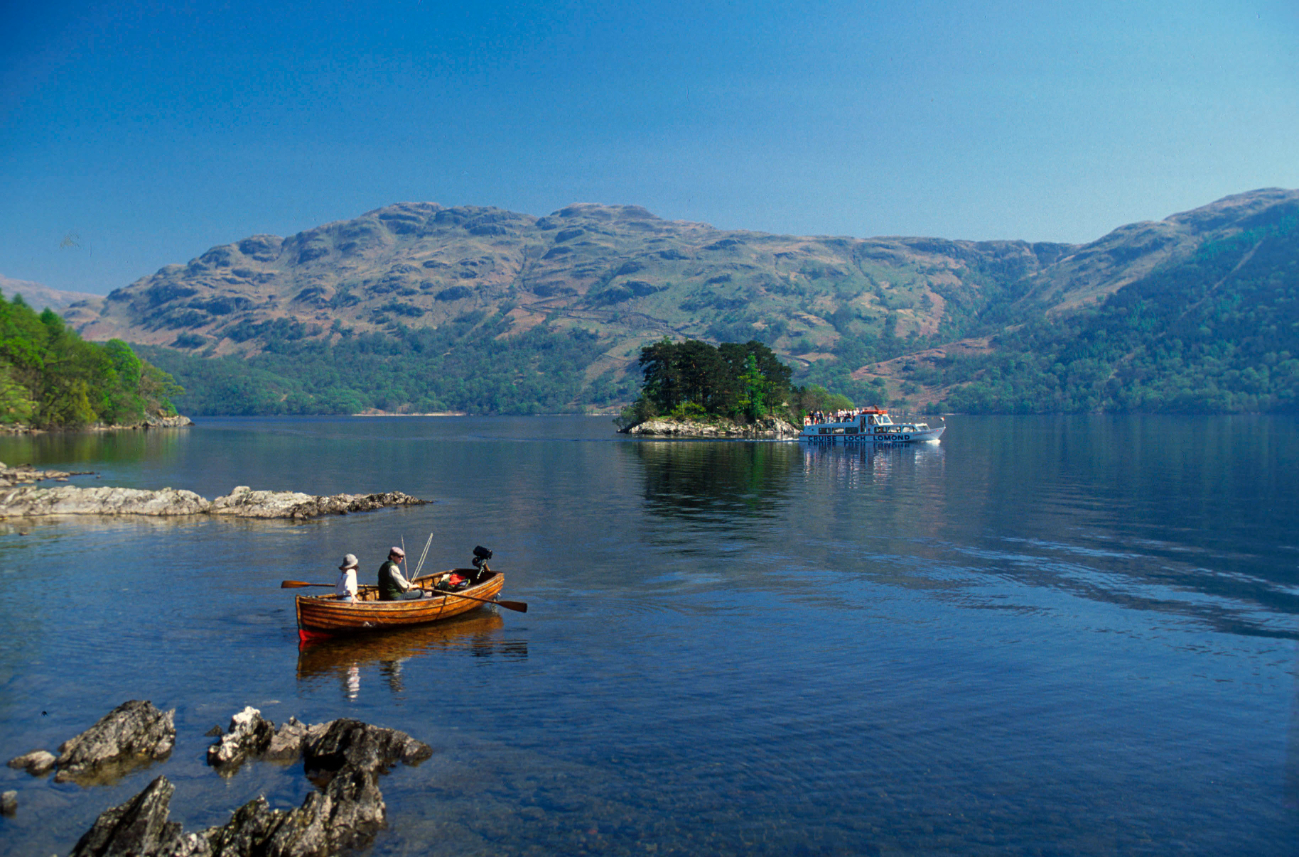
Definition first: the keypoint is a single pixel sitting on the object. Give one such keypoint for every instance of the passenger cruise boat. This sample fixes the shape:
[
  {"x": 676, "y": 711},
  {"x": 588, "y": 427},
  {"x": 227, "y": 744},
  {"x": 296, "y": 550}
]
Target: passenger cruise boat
[{"x": 865, "y": 425}]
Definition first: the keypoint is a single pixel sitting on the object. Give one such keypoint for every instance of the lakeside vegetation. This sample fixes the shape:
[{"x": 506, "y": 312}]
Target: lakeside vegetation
[
  {"x": 464, "y": 365},
  {"x": 51, "y": 378}
]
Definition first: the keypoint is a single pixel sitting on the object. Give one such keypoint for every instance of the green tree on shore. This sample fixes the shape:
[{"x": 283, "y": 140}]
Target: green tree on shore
[{"x": 51, "y": 378}]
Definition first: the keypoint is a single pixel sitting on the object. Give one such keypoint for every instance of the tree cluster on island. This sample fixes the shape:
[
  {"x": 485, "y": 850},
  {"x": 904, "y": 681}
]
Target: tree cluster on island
[
  {"x": 51, "y": 378},
  {"x": 694, "y": 380}
]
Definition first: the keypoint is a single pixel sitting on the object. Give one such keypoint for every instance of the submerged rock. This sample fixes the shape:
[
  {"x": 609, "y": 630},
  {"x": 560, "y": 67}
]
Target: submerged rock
[
  {"x": 133, "y": 734},
  {"x": 31, "y": 501},
  {"x": 8, "y": 803}
]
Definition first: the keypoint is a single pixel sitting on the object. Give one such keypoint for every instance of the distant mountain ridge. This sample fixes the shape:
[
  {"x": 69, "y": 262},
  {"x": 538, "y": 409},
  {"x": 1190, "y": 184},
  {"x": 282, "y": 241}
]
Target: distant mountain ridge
[
  {"x": 38, "y": 297},
  {"x": 845, "y": 311}
]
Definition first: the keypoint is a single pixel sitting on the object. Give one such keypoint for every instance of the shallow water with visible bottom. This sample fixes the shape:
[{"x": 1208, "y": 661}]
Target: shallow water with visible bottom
[{"x": 1044, "y": 635}]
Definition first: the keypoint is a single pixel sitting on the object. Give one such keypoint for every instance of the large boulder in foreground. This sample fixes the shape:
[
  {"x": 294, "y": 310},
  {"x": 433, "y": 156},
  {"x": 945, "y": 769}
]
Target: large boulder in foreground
[
  {"x": 344, "y": 814},
  {"x": 139, "y": 826},
  {"x": 132, "y": 734}
]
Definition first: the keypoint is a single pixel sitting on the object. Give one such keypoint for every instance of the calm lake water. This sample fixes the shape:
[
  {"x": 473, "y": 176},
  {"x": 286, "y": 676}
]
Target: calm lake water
[{"x": 1059, "y": 636}]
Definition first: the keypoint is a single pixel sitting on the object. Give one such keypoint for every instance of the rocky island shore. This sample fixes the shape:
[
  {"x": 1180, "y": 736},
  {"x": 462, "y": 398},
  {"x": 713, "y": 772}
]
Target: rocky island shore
[{"x": 767, "y": 428}]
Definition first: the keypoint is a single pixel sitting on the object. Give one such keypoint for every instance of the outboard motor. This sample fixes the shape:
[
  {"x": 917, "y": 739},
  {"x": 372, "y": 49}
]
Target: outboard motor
[{"x": 481, "y": 555}]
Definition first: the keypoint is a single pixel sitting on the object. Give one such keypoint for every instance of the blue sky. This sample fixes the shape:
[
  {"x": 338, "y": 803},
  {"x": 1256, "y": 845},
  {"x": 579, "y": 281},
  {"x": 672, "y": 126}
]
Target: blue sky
[{"x": 134, "y": 135}]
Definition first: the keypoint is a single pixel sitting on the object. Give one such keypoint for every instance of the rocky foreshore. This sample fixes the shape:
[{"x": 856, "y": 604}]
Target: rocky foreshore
[
  {"x": 30, "y": 501},
  {"x": 345, "y": 758},
  {"x": 149, "y": 422},
  {"x": 769, "y": 428},
  {"x": 25, "y": 474}
]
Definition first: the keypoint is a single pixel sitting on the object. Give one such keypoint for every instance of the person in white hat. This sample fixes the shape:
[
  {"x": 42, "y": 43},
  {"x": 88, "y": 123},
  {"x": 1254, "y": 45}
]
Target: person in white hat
[
  {"x": 346, "y": 586},
  {"x": 393, "y": 586}
]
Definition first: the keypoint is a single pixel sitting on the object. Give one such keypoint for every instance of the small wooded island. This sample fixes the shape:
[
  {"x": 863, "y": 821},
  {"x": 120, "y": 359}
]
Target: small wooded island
[{"x": 694, "y": 389}]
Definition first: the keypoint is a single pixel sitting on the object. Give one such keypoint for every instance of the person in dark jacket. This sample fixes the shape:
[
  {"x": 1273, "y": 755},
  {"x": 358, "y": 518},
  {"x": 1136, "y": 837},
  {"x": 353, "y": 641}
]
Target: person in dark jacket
[{"x": 393, "y": 586}]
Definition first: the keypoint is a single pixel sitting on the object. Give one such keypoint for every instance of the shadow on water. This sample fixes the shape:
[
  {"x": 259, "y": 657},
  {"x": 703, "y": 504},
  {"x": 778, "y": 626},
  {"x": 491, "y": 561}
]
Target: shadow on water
[{"x": 478, "y": 634}]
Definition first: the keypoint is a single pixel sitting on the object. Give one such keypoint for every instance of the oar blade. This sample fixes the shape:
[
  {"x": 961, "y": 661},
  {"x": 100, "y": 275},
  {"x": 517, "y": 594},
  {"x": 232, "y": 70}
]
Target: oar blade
[{"x": 518, "y": 606}]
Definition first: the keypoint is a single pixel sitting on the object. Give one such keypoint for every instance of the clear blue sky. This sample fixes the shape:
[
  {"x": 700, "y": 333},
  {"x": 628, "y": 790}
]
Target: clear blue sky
[{"x": 138, "y": 134}]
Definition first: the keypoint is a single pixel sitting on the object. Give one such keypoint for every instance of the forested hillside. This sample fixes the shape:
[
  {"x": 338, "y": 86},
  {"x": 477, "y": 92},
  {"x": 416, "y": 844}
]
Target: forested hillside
[
  {"x": 1218, "y": 330},
  {"x": 416, "y": 307},
  {"x": 51, "y": 378}
]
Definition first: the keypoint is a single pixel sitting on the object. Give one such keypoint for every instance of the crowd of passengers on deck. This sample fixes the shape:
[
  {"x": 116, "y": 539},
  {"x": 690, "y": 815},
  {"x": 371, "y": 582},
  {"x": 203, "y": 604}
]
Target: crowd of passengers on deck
[{"x": 841, "y": 416}]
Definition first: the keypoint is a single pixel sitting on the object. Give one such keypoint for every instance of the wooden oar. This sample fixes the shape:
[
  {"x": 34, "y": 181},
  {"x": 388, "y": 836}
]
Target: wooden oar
[{"x": 517, "y": 606}]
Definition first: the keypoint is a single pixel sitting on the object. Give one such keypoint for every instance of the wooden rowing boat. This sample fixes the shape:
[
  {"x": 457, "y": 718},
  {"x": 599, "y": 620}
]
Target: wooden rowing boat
[{"x": 326, "y": 614}]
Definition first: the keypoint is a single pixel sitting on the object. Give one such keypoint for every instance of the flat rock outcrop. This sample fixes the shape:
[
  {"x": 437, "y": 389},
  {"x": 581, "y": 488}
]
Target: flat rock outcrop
[
  {"x": 243, "y": 502},
  {"x": 27, "y": 501},
  {"x": 764, "y": 429},
  {"x": 347, "y": 811},
  {"x": 25, "y": 474}
]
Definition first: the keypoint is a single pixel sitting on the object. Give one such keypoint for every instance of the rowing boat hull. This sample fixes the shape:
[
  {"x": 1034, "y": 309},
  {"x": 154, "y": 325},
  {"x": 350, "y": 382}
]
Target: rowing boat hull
[{"x": 326, "y": 614}]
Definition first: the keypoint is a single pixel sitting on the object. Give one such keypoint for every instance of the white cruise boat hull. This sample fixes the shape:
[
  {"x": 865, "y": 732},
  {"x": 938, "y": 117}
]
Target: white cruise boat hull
[{"x": 870, "y": 425}]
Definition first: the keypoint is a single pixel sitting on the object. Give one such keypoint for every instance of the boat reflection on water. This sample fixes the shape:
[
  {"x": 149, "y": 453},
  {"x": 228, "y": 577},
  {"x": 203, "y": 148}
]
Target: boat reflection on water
[
  {"x": 477, "y": 634},
  {"x": 874, "y": 462}
]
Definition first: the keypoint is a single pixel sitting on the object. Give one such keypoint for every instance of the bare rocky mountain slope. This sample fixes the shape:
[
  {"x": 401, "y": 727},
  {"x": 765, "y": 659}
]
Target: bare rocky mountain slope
[{"x": 831, "y": 305}]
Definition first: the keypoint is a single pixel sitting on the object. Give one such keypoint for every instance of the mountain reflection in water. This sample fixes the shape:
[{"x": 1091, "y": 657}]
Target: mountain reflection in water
[{"x": 478, "y": 634}]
